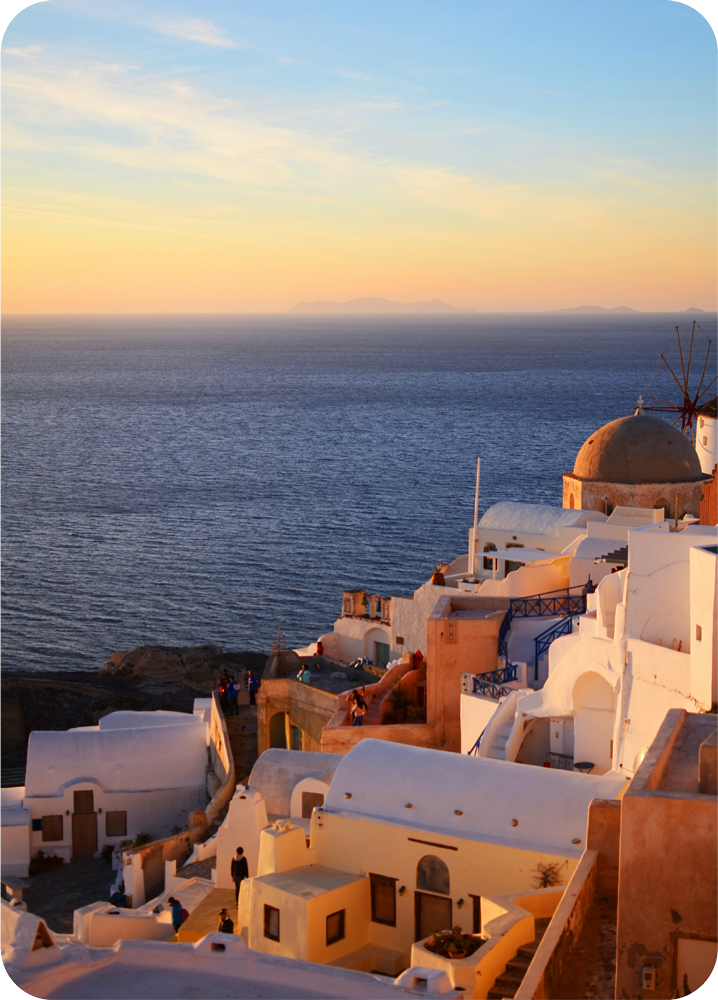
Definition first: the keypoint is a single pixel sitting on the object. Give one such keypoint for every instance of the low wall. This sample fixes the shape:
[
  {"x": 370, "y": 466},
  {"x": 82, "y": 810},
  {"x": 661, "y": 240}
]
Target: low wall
[
  {"x": 508, "y": 923},
  {"x": 144, "y": 867},
  {"x": 562, "y": 933}
]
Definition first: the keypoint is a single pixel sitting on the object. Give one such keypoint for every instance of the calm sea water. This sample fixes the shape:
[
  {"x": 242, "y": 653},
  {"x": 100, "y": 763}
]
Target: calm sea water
[{"x": 182, "y": 481}]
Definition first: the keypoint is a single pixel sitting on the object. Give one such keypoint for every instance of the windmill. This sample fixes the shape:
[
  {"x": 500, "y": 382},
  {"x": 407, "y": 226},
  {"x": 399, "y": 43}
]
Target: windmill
[{"x": 691, "y": 396}]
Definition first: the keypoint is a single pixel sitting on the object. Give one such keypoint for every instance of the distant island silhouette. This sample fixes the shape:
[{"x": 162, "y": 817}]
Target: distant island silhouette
[
  {"x": 375, "y": 305},
  {"x": 596, "y": 309}
]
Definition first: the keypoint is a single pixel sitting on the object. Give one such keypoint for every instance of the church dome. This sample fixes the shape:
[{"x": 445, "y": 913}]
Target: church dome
[{"x": 638, "y": 449}]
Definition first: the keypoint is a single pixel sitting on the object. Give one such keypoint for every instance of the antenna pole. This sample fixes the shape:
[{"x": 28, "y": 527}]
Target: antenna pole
[{"x": 472, "y": 559}]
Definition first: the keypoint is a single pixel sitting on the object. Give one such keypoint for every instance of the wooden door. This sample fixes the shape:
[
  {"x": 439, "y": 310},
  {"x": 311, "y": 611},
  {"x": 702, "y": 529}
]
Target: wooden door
[
  {"x": 433, "y": 913},
  {"x": 84, "y": 834}
]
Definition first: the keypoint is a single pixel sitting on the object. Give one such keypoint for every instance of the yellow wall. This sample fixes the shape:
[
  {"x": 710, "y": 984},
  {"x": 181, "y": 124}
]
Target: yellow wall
[
  {"x": 476, "y": 868},
  {"x": 355, "y": 899}
]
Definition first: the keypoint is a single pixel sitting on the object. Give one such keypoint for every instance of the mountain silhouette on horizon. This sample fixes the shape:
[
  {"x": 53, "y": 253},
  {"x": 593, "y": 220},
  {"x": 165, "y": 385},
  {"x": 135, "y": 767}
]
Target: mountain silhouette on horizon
[
  {"x": 378, "y": 306},
  {"x": 596, "y": 309}
]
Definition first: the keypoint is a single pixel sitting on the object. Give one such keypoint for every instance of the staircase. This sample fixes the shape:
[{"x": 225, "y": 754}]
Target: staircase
[
  {"x": 497, "y": 750},
  {"x": 242, "y": 732},
  {"x": 508, "y": 982}
]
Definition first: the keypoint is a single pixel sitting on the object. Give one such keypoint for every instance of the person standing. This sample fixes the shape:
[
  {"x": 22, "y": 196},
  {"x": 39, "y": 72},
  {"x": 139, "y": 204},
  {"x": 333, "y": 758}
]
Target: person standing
[
  {"x": 226, "y": 924},
  {"x": 253, "y": 686},
  {"x": 232, "y": 696},
  {"x": 240, "y": 871},
  {"x": 223, "y": 686},
  {"x": 320, "y": 647}
]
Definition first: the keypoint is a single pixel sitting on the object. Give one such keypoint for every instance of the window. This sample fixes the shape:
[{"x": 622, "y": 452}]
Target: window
[
  {"x": 310, "y": 801},
  {"x": 705, "y": 440},
  {"x": 335, "y": 926},
  {"x": 476, "y": 900},
  {"x": 271, "y": 922},
  {"x": 296, "y": 738},
  {"x": 84, "y": 802},
  {"x": 116, "y": 824},
  {"x": 383, "y": 899},
  {"x": 51, "y": 828},
  {"x": 699, "y": 633},
  {"x": 432, "y": 875},
  {"x": 489, "y": 563}
]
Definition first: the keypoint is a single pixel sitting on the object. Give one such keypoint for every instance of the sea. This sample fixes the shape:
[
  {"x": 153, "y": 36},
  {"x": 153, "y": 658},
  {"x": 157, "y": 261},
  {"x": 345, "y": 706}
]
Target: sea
[{"x": 210, "y": 479}]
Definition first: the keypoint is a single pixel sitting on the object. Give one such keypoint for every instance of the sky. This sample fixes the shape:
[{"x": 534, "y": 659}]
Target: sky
[{"x": 242, "y": 156}]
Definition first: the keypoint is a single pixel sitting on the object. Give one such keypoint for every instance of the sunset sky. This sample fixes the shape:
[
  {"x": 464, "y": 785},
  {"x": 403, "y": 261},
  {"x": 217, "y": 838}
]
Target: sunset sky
[{"x": 241, "y": 156}]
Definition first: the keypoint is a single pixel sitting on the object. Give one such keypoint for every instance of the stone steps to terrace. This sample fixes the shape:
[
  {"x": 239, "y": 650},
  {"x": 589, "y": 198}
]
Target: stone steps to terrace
[{"x": 508, "y": 982}]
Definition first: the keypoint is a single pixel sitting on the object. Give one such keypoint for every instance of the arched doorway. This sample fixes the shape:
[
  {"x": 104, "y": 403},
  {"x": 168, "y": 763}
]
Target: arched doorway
[
  {"x": 432, "y": 902},
  {"x": 278, "y": 730},
  {"x": 593, "y": 707}
]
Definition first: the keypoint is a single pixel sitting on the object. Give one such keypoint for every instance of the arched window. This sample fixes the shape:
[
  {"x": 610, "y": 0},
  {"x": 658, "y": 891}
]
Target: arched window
[
  {"x": 489, "y": 563},
  {"x": 571, "y": 502},
  {"x": 432, "y": 875}
]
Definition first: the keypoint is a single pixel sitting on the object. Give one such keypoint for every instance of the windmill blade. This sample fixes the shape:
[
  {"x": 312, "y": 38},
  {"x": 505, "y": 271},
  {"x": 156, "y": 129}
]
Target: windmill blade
[
  {"x": 707, "y": 388},
  {"x": 683, "y": 391},
  {"x": 703, "y": 373},
  {"x": 680, "y": 351},
  {"x": 690, "y": 355}
]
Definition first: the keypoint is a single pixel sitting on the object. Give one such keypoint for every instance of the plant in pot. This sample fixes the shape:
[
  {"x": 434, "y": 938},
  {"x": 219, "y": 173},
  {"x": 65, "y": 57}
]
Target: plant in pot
[
  {"x": 399, "y": 702},
  {"x": 437, "y": 577},
  {"x": 453, "y": 944}
]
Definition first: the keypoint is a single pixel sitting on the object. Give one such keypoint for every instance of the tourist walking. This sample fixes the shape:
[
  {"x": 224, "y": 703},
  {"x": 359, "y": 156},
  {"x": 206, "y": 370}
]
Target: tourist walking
[
  {"x": 176, "y": 908},
  {"x": 226, "y": 924},
  {"x": 358, "y": 708},
  {"x": 252, "y": 683},
  {"x": 240, "y": 871},
  {"x": 304, "y": 676}
]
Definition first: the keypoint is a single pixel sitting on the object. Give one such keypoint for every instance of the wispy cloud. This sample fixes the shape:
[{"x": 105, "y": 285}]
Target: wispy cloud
[
  {"x": 353, "y": 76},
  {"x": 194, "y": 29},
  {"x": 25, "y": 53},
  {"x": 381, "y": 105}
]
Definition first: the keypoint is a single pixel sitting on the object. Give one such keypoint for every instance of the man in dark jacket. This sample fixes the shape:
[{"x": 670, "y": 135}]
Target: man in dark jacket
[
  {"x": 176, "y": 908},
  {"x": 240, "y": 871},
  {"x": 226, "y": 924}
]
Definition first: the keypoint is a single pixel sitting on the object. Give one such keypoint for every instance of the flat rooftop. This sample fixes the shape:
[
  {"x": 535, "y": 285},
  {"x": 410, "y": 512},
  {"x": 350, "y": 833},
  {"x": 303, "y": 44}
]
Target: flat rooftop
[{"x": 310, "y": 880}]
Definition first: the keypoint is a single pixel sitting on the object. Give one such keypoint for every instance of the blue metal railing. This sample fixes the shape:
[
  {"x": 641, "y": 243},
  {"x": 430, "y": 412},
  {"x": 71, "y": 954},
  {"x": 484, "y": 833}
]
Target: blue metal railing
[
  {"x": 544, "y": 605},
  {"x": 502, "y": 676},
  {"x": 553, "y": 603},
  {"x": 474, "y": 751},
  {"x": 545, "y": 638}
]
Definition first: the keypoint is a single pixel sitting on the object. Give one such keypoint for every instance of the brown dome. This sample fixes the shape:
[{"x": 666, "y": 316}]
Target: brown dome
[{"x": 638, "y": 449}]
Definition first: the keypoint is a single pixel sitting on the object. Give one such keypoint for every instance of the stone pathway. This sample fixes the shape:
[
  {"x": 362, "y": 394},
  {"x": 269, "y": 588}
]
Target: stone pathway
[{"x": 56, "y": 894}]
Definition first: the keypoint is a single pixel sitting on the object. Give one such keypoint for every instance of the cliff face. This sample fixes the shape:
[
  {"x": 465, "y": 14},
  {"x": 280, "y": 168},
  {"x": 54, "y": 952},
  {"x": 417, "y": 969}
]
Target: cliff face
[
  {"x": 197, "y": 666},
  {"x": 146, "y": 679}
]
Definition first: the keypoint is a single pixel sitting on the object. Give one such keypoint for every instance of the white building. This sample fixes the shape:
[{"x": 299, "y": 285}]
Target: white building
[
  {"x": 646, "y": 644},
  {"x": 134, "y": 772},
  {"x": 425, "y": 832},
  {"x": 707, "y": 437}
]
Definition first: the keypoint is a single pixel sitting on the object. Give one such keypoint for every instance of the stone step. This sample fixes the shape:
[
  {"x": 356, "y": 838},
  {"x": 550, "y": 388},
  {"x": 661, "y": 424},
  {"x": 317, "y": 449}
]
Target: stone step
[{"x": 510, "y": 981}]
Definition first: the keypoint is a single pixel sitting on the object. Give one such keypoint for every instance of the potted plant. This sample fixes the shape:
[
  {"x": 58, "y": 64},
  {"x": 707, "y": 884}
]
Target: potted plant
[
  {"x": 437, "y": 577},
  {"x": 453, "y": 944}
]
